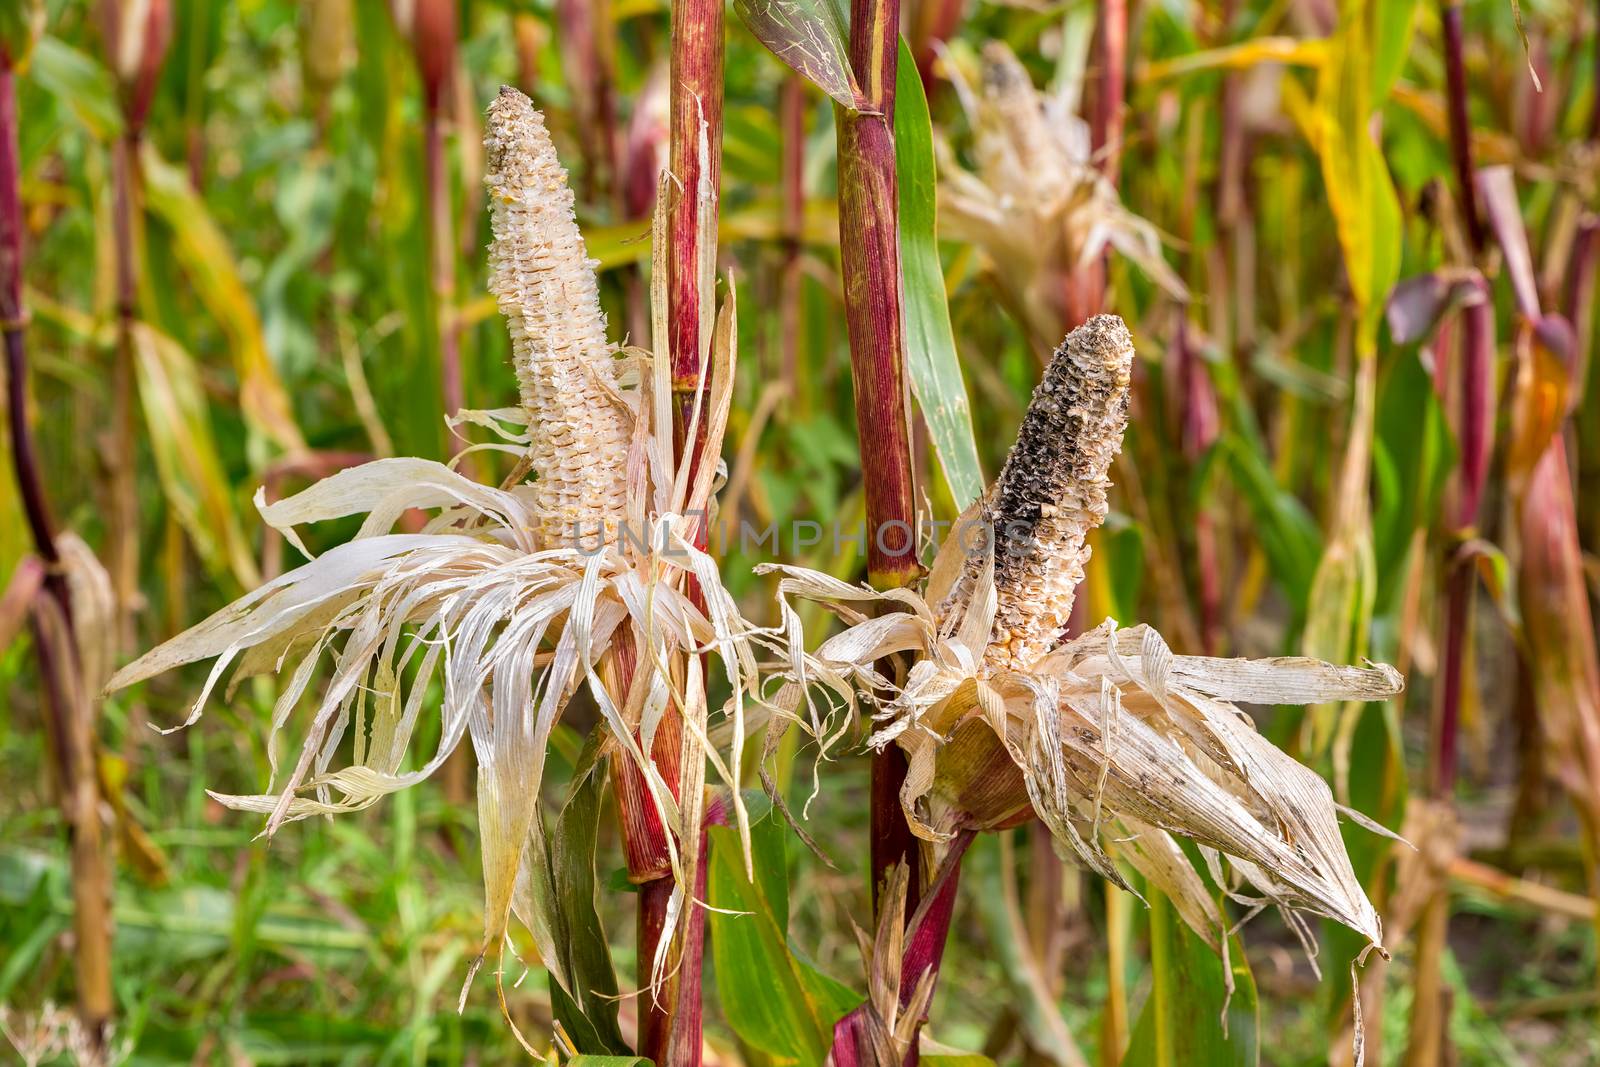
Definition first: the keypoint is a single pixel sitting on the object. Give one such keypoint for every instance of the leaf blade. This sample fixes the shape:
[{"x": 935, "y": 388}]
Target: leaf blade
[{"x": 931, "y": 357}]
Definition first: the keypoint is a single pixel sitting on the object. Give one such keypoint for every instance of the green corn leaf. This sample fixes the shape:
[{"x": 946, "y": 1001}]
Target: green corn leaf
[
  {"x": 1415, "y": 455},
  {"x": 583, "y": 990},
  {"x": 1039, "y": 1015},
  {"x": 1367, "y": 217},
  {"x": 1365, "y": 209},
  {"x": 1391, "y": 44},
  {"x": 931, "y": 355},
  {"x": 1288, "y": 534},
  {"x": 1379, "y": 792},
  {"x": 810, "y": 37},
  {"x": 1182, "y": 1021},
  {"x": 773, "y": 999},
  {"x": 80, "y": 83}
]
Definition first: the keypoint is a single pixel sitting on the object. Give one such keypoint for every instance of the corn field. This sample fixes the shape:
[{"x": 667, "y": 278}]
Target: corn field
[{"x": 796, "y": 532}]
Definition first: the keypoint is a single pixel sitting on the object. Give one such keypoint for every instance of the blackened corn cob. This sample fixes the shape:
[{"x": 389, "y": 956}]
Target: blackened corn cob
[{"x": 1052, "y": 491}]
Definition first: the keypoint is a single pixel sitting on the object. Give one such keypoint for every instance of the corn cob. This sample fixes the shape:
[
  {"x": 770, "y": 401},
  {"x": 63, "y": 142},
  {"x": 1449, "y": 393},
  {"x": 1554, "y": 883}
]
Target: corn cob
[
  {"x": 544, "y": 282},
  {"x": 1052, "y": 491},
  {"x": 1019, "y": 120}
]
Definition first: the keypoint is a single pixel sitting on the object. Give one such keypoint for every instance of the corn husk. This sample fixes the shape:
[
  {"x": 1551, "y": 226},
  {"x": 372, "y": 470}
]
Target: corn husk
[{"x": 492, "y": 599}]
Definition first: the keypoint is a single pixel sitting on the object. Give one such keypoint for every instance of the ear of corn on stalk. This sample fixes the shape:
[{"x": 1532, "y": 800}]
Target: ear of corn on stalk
[
  {"x": 1052, "y": 491},
  {"x": 1035, "y": 203},
  {"x": 1117, "y": 744},
  {"x": 494, "y": 599}
]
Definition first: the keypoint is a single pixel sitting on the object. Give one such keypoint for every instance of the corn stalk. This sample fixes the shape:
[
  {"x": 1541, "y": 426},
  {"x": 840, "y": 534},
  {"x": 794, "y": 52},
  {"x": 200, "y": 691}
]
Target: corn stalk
[
  {"x": 69, "y": 725},
  {"x": 670, "y": 1022},
  {"x": 585, "y": 28},
  {"x": 1465, "y": 381},
  {"x": 433, "y": 40},
  {"x": 135, "y": 37},
  {"x": 1085, "y": 287},
  {"x": 869, "y": 253}
]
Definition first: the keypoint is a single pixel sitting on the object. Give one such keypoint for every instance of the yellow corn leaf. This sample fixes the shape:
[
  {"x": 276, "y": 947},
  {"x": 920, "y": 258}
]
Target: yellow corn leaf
[
  {"x": 209, "y": 264},
  {"x": 1365, "y": 210},
  {"x": 191, "y": 472},
  {"x": 1360, "y": 63},
  {"x": 1294, "y": 51}
]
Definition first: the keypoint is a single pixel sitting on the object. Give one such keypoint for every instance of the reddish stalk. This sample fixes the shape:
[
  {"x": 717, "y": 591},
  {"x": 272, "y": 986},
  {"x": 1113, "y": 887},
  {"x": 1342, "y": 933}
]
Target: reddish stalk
[
  {"x": 792, "y": 121},
  {"x": 585, "y": 27},
  {"x": 138, "y": 66},
  {"x": 928, "y": 931},
  {"x": 1577, "y": 300},
  {"x": 530, "y": 37},
  {"x": 434, "y": 43},
  {"x": 670, "y": 1028},
  {"x": 1105, "y": 125},
  {"x": 1455, "y": 73},
  {"x": 1471, "y": 418},
  {"x": 1085, "y": 288},
  {"x": 1594, "y": 89},
  {"x": 1198, "y": 432},
  {"x": 1471, "y": 396},
  {"x": 68, "y": 719},
  {"x": 433, "y": 38},
  {"x": 935, "y": 23},
  {"x": 123, "y": 531},
  {"x": 696, "y": 98},
  {"x": 1468, "y": 394},
  {"x": 869, "y": 254}
]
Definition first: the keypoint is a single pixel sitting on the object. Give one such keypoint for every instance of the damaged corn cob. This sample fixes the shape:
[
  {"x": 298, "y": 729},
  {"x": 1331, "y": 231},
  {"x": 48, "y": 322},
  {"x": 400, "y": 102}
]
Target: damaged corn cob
[
  {"x": 1052, "y": 490},
  {"x": 544, "y": 282},
  {"x": 1035, "y": 202}
]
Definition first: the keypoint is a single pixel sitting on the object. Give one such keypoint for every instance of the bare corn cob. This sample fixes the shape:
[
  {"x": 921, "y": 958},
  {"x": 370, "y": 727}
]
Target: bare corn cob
[
  {"x": 545, "y": 284},
  {"x": 1052, "y": 491}
]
